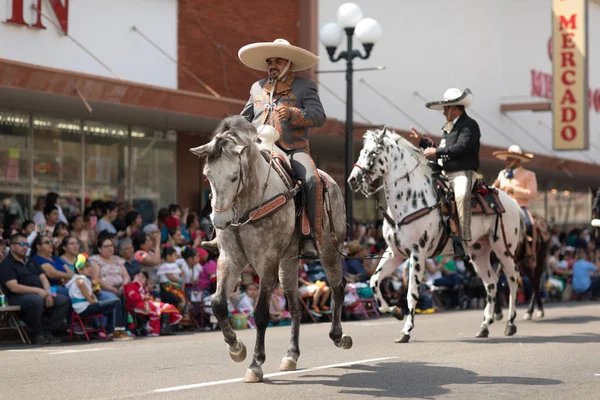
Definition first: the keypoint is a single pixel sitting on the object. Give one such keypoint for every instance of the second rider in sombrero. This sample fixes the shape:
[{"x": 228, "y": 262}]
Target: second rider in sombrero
[
  {"x": 291, "y": 105},
  {"x": 458, "y": 154}
]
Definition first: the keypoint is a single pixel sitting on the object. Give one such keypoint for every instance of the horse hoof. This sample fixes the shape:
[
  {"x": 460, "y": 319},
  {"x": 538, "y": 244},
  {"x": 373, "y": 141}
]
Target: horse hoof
[
  {"x": 345, "y": 342},
  {"x": 385, "y": 309},
  {"x": 483, "y": 333},
  {"x": 527, "y": 317},
  {"x": 287, "y": 364},
  {"x": 398, "y": 313},
  {"x": 498, "y": 317},
  {"x": 239, "y": 354},
  {"x": 253, "y": 377},
  {"x": 403, "y": 339},
  {"x": 540, "y": 314},
  {"x": 510, "y": 330}
]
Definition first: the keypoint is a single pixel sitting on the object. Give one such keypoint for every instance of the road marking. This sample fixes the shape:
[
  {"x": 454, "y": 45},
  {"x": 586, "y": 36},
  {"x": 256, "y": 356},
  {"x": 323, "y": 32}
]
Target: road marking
[
  {"x": 28, "y": 350},
  {"x": 300, "y": 371},
  {"x": 76, "y": 351},
  {"x": 597, "y": 374},
  {"x": 394, "y": 322}
]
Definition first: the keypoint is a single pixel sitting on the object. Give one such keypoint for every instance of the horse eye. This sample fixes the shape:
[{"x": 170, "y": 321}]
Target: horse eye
[{"x": 235, "y": 178}]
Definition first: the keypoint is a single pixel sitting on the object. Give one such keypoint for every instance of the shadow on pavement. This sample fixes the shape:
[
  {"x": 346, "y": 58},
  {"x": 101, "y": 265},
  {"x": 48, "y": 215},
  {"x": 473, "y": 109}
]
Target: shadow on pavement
[
  {"x": 579, "y": 319},
  {"x": 406, "y": 380},
  {"x": 576, "y": 338}
]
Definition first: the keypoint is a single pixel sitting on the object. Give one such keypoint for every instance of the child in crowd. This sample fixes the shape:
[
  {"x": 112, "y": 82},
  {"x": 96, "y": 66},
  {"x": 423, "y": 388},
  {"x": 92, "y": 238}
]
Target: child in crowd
[
  {"x": 85, "y": 302},
  {"x": 245, "y": 302},
  {"x": 319, "y": 290},
  {"x": 162, "y": 316},
  {"x": 279, "y": 313},
  {"x": 171, "y": 279},
  {"x": 207, "y": 280},
  {"x": 192, "y": 268}
]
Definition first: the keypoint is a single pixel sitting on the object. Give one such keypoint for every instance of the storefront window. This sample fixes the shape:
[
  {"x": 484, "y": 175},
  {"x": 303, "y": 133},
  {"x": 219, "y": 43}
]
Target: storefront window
[
  {"x": 14, "y": 166},
  {"x": 153, "y": 170},
  {"x": 106, "y": 147},
  {"x": 57, "y": 160}
]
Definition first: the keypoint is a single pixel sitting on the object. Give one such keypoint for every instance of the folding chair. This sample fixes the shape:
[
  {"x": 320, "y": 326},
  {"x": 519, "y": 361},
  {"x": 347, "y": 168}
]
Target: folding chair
[
  {"x": 304, "y": 300},
  {"x": 76, "y": 318}
]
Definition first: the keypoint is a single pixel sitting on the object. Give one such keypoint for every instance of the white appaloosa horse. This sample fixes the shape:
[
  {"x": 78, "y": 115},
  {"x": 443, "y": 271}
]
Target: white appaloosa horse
[
  {"x": 408, "y": 184},
  {"x": 265, "y": 237}
]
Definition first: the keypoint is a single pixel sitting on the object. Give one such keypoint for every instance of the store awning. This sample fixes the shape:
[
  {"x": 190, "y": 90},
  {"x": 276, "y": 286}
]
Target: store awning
[{"x": 65, "y": 93}]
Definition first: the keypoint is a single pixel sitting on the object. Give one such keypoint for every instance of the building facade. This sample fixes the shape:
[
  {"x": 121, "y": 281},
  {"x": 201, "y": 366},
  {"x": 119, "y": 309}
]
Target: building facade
[{"x": 104, "y": 99}]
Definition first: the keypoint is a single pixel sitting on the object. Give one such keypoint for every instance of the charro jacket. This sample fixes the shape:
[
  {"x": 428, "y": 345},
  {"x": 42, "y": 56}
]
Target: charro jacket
[
  {"x": 459, "y": 149},
  {"x": 306, "y": 110}
]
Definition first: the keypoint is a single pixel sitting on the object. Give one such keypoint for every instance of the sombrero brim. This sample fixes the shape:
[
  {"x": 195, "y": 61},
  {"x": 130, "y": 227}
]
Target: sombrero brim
[
  {"x": 255, "y": 55},
  {"x": 465, "y": 99},
  {"x": 503, "y": 155}
]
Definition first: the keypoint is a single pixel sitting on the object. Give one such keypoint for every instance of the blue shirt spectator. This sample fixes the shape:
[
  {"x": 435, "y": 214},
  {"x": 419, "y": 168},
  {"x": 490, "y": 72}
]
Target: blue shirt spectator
[{"x": 582, "y": 280}]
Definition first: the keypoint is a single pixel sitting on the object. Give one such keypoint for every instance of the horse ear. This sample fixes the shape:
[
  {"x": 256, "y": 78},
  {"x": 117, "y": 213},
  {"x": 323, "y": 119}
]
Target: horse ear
[
  {"x": 382, "y": 134},
  {"x": 200, "y": 151},
  {"x": 239, "y": 148}
]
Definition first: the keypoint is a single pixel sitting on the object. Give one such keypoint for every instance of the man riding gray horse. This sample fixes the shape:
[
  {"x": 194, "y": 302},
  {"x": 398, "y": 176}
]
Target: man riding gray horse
[
  {"x": 458, "y": 154},
  {"x": 291, "y": 105}
]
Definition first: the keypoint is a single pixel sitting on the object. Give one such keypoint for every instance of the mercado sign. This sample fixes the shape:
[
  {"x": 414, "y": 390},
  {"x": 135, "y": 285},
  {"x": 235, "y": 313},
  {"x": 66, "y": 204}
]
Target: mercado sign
[{"x": 570, "y": 75}]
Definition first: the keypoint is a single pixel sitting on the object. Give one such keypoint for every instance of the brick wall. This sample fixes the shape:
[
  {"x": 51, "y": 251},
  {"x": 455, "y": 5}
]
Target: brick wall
[{"x": 212, "y": 31}]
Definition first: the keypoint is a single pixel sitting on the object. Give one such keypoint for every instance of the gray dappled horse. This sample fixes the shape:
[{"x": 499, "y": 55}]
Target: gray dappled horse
[
  {"x": 238, "y": 176},
  {"x": 408, "y": 185}
]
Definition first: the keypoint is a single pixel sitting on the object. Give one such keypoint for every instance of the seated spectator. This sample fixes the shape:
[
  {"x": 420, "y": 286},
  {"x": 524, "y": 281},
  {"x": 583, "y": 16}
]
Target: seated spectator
[
  {"x": 278, "y": 309},
  {"x": 134, "y": 221},
  {"x": 207, "y": 280},
  {"x": 110, "y": 275},
  {"x": 51, "y": 216},
  {"x": 354, "y": 271},
  {"x": 171, "y": 284},
  {"x": 147, "y": 250},
  {"x": 52, "y": 200},
  {"x": 27, "y": 227},
  {"x": 245, "y": 302},
  {"x": 175, "y": 220},
  {"x": 38, "y": 216},
  {"x": 161, "y": 316},
  {"x": 583, "y": 270},
  {"x": 193, "y": 230},
  {"x": 3, "y": 248},
  {"x": 90, "y": 220},
  {"x": 69, "y": 249},
  {"x": 449, "y": 279},
  {"x": 176, "y": 240},
  {"x": 127, "y": 253},
  {"x": 56, "y": 270},
  {"x": 26, "y": 285},
  {"x": 85, "y": 236},
  {"x": 320, "y": 291},
  {"x": 110, "y": 211},
  {"x": 84, "y": 301},
  {"x": 192, "y": 268},
  {"x": 61, "y": 231}
]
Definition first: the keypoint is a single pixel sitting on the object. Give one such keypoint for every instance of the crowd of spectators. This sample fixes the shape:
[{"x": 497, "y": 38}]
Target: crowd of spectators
[{"x": 109, "y": 260}]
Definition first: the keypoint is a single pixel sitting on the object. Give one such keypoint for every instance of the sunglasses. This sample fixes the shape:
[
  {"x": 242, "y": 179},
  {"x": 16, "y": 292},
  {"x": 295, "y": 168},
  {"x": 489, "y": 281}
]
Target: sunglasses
[{"x": 22, "y": 244}]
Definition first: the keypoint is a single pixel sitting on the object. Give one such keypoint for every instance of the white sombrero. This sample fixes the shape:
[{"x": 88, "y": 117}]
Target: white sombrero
[
  {"x": 255, "y": 55},
  {"x": 513, "y": 151},
  {"x": 452, "y": 97}
]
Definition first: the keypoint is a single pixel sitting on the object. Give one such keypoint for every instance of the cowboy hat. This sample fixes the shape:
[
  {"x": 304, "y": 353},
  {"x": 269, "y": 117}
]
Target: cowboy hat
[
  {"x": 513, "y": 151},
  {"x": 452, "y": 97},
  {"x": 255, "y": 55},
  {"x": 354, "y": 247}
]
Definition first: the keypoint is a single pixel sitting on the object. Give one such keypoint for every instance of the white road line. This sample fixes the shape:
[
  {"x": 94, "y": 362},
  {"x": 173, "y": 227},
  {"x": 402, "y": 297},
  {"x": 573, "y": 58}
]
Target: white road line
[
  {"x": 29, "y": 350},
  {"x": 76, "y": 351},
  {"x": 300, "y": 371}
]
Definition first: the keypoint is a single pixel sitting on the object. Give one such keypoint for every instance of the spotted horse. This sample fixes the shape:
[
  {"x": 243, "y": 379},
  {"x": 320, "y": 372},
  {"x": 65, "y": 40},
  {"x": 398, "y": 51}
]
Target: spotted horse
[{"x": 416, "y": 227}]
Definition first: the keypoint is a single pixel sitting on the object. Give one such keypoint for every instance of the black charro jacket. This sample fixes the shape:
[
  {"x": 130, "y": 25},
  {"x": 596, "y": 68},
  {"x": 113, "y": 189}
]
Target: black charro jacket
[{"x": 461, "y": 152}]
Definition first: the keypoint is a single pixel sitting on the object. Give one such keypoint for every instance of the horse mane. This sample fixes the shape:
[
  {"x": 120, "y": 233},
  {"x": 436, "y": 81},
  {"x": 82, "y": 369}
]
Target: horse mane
[{"x": 231, "y": 131}]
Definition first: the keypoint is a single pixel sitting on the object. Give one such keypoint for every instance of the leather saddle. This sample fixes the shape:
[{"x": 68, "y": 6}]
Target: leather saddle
[{"x": 484, "y": 201}]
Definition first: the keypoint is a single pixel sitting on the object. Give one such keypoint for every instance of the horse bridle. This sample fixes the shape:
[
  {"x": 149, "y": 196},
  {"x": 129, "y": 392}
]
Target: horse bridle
[
  {"x": 366, "y": 171},
  {"x": 237, "y": 191}
]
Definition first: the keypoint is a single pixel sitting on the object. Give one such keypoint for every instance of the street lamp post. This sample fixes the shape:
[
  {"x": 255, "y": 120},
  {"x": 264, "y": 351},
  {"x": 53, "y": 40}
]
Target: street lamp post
[{"x": 368, "y": 31}]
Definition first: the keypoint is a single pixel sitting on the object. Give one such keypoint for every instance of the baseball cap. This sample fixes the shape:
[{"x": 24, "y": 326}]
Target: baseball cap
[{"x": 150, "y": 228}]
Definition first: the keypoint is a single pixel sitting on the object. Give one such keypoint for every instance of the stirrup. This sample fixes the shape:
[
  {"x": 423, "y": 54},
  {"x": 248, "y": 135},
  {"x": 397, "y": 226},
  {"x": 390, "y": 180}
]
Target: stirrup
[
  {"x": 212, "y": 245},
  {"x": 308, "y": 250}
]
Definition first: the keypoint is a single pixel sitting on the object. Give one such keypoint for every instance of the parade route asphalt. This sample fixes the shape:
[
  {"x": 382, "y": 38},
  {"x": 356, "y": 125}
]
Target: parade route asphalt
[{"x": 553, "y": 358}]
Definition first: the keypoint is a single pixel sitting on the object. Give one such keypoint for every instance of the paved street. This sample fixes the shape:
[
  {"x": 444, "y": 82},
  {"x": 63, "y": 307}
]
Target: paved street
[{"x": 555, "y": 358}]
